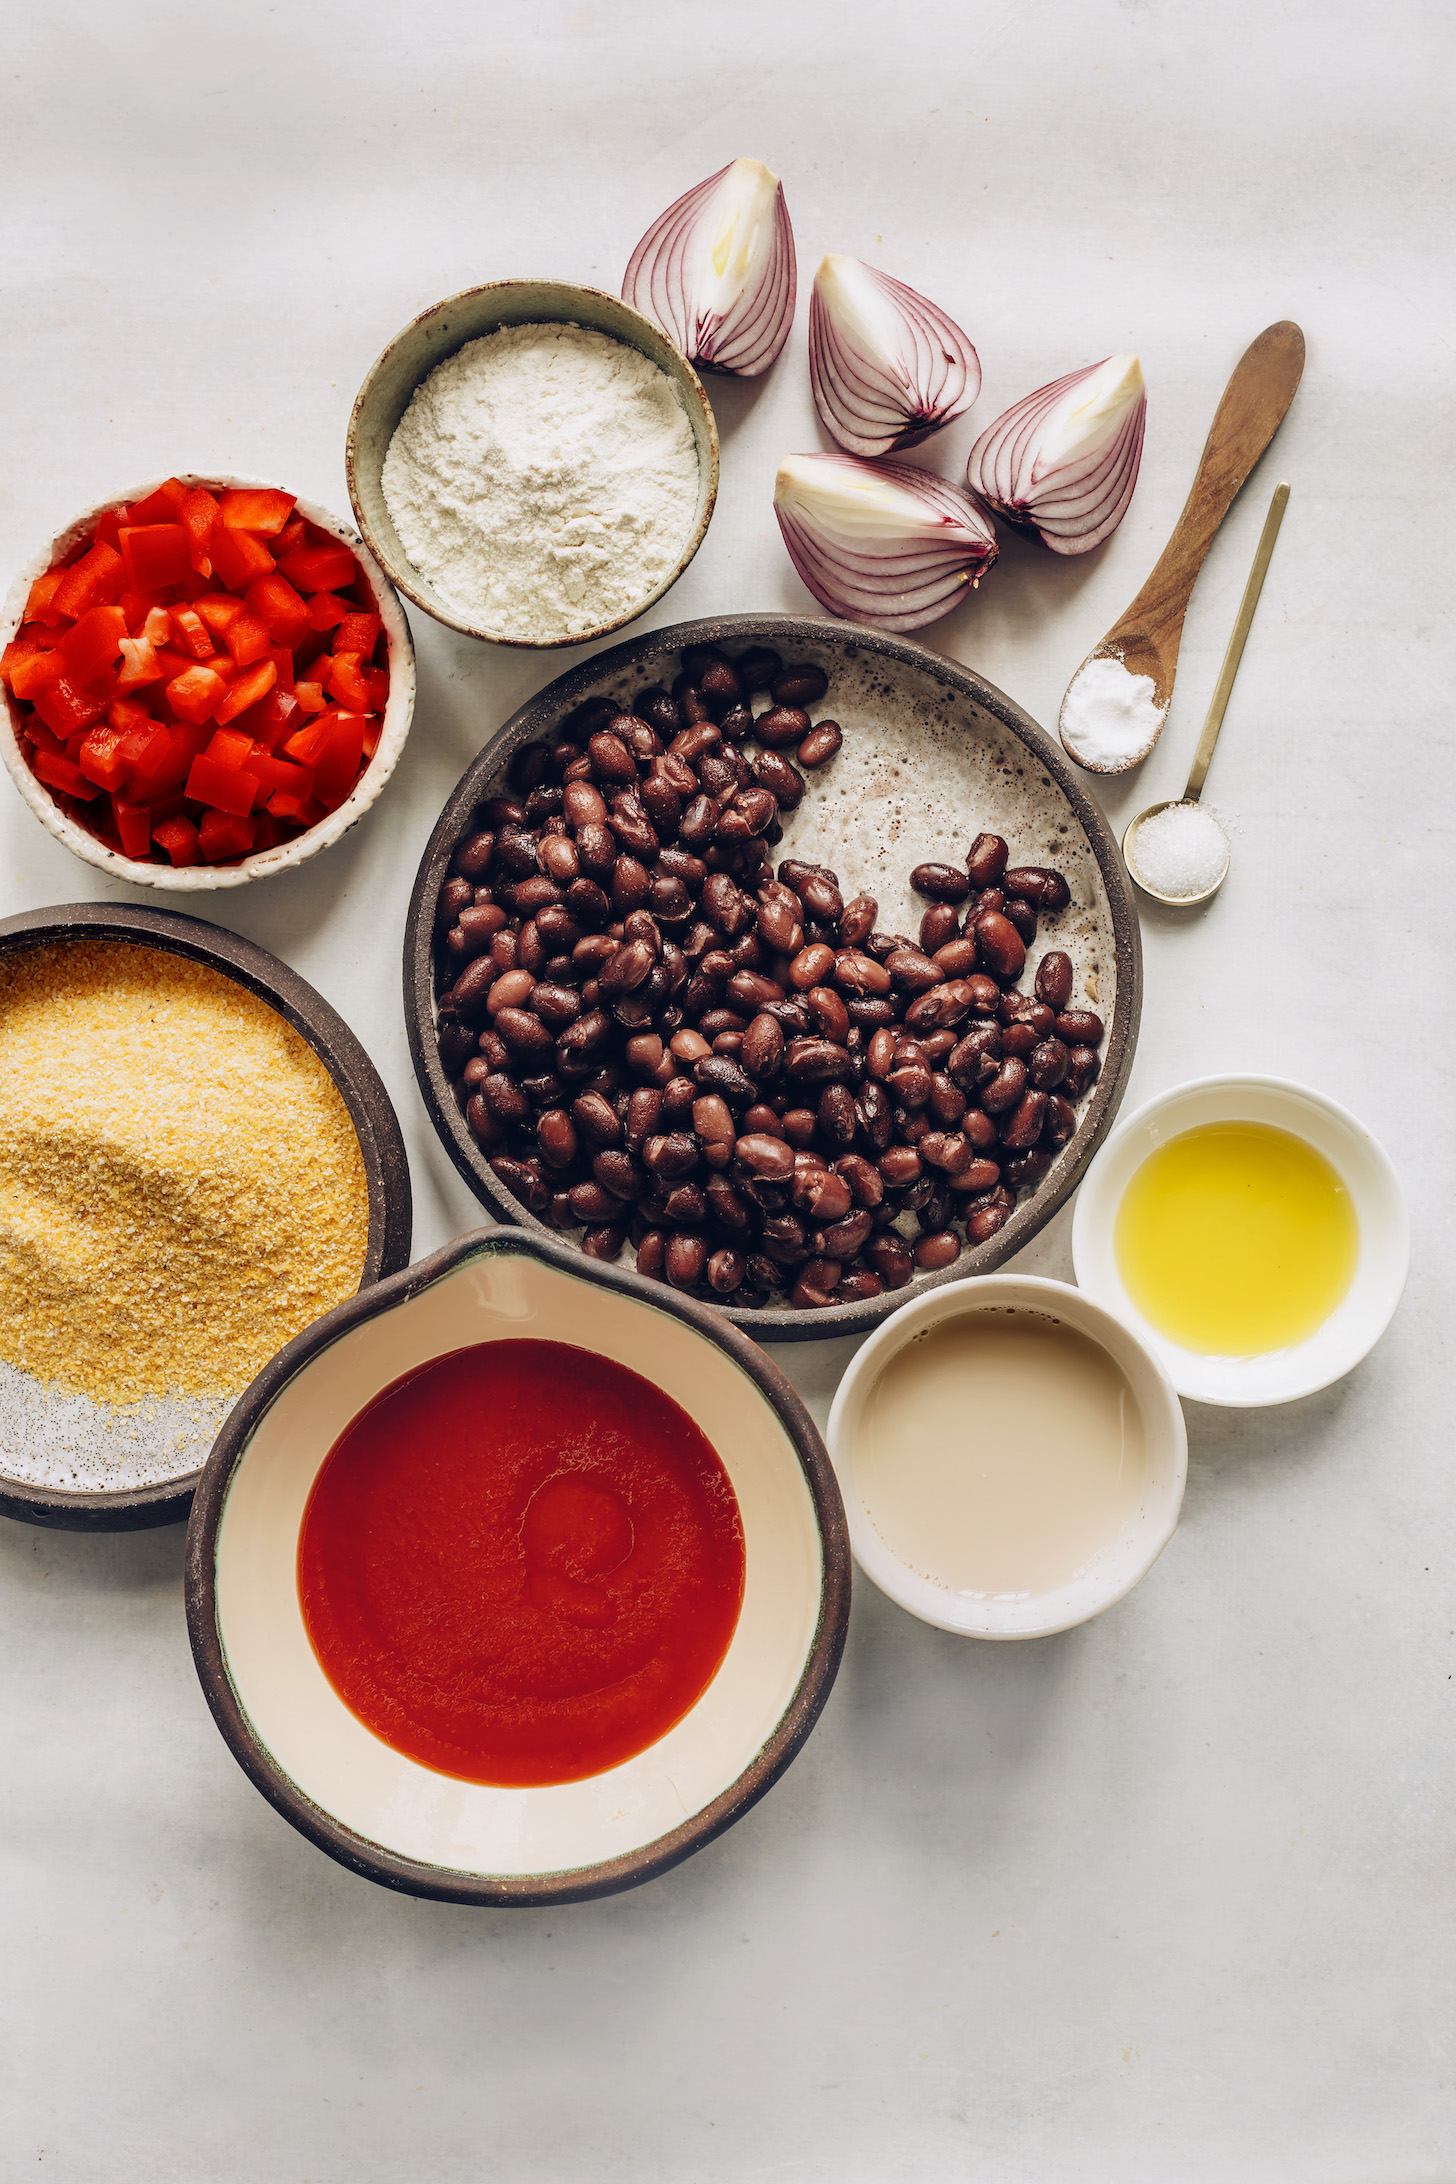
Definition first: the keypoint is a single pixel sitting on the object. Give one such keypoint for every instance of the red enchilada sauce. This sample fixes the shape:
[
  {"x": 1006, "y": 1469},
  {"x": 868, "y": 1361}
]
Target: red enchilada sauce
[{"x": 521, "y": 1564}]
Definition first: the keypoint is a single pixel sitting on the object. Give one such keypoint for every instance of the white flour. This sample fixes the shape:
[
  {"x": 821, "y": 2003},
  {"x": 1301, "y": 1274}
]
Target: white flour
[
  {"x": 1110, "y": 717},
  {"x": 543, "y": 479}
]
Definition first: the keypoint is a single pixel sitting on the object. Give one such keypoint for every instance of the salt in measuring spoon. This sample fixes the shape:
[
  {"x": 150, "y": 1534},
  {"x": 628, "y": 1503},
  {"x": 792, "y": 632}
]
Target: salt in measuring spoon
[{"x": 1198, "y": 773}]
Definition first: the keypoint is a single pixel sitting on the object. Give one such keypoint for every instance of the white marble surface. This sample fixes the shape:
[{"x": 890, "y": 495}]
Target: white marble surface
[{"x": 1168, "y": 1898}]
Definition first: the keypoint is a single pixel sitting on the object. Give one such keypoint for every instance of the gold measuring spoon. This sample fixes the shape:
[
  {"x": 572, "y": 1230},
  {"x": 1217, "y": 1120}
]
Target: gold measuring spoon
[{"x": 1198, "y": 773}]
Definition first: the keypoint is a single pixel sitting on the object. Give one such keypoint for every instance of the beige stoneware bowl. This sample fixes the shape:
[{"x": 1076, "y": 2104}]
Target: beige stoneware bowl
[
  {"x": 205, "y": 879},
  {"x": 430, "y": 1834},
  {"x": 437, "y": 334}
]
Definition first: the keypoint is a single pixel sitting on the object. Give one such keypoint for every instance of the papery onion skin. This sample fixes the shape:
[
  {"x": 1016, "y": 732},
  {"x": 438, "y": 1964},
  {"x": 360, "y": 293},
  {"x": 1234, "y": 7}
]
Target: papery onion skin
[
  {"x": 1064, "y": 475},
  {"x": 881, "y": 542},
  {"x": 887, "y": 366},
  {"x": 717, "y": 271}
]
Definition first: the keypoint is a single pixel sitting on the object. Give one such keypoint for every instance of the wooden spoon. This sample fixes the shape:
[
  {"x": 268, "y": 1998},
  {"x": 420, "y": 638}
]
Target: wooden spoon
[{"x": 1145, "y": 640}]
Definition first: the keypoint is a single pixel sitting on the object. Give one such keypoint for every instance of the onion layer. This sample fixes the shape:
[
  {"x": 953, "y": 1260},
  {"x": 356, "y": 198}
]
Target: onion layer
[
  {"x": 887, "y": 366},
  {"x": 716, "y": 271},
  {"x": 881, "y": 543},
  {"x": 1064, "y": 461}
]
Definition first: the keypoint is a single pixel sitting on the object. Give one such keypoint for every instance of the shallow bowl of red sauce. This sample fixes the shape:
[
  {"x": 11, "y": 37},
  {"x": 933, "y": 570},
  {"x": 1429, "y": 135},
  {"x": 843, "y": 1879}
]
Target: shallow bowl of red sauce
[{"x": 517, "y": 1580}]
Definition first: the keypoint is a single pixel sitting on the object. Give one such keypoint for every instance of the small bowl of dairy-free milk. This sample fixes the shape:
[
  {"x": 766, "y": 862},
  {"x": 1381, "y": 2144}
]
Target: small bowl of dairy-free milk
[
  {"x": 1012, "y": 1458},
  {"x": 533, "y": 462}
]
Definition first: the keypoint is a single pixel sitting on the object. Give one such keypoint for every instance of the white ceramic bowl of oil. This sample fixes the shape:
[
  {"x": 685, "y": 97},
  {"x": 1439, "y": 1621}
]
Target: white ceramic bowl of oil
[
  {"x": 1012, "y": 1458},
  {"x": 1281, "y": 1289}
]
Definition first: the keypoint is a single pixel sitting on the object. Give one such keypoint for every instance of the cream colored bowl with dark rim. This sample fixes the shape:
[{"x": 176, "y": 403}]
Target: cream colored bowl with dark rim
[
  {"x": 436, "y": 334},
  {"x": 203, "y": 879},
  {"x": 431, "y": 1834}
]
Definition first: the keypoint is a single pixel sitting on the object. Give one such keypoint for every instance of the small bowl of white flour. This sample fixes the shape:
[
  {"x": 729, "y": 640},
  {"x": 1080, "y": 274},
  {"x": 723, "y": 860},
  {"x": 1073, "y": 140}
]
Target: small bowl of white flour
[{"x": 534, "y": 463}]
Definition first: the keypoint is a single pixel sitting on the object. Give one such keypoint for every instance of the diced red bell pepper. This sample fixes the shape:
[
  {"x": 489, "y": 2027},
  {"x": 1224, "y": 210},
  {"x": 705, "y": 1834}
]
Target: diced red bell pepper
[
  {"x": 282, "y": 657},
  {"x": 293, "y": 535},
  {"x": 67, "y": 709},
  {"x": 192, "y": 634},
  {"x": 373, "y": 730},
  {"x": 247, "y": 640},
  {"x": 157, "y": 628},
  {"x": 225, "y": 834},
  {"x": 133, "y": 826},
  {"x": 226, "y": 788},
  {"x": 278, "y": 607},
  {"x": 268, "y": 722},
  {"x": 326, "y": 612},
  {"x": 173, "y": 663},
  {"x": 126, "y": 714},
  {"x": 238, "y": 557},
  {"x": 139, "y": 663},
  {"x": 199, "y": 520},
  {"x": 183, "y": 745},
  {"x": 63, "y": 774},
  {"x": 302, "y": 810},
  {"x": 358, "y": 633},
  {"x": 99, "y": 576},
  {"x": 91, "y": 645},
  {"x": 228, "y": 747},
  {"x": 163, "y": 506},
  {"x": 41, "y": 606},
  {"x": 217, "y": 610},
  {"x": 146, "y": 749},
  {"x": 108, "y": 526},
  {"x": 29, "y": 671},
  {"x": 179, "y": 839},
  {"x": 317, "y": 568},
  {"x": 278, "y": 774},
  {"x": 252, "y": 684},
  {"x": 337, "y": 767},
  {"x": 257, "y": 508},
  {"x": 309, "y": 743},
  {"x": 311, "y": 696},
  {"x": 155, "y": 554},
  {"x": 347, "y": 684},
  {"x": 100, "y": 757},
  {"x": 196, "y": 694}
]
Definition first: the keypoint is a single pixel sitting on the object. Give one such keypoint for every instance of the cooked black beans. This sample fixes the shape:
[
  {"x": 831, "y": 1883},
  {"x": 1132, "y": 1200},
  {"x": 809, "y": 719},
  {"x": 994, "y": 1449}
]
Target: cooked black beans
[{"x": 656, "y": 1037}]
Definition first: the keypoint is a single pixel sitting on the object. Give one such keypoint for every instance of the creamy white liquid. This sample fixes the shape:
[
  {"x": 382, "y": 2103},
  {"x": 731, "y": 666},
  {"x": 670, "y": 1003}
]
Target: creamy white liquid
[{"x": 1001, "y": 1452}]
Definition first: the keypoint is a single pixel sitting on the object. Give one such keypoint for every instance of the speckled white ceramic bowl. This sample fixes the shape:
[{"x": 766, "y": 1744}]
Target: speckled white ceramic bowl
[
  {"x": 432, "y": 1834},
  {"x": 436, "y": 334},
  {"x": 1111, "y": 1573},
  {"x": 205, "y": 879},
  {"x": 1357, "y": 1322}
]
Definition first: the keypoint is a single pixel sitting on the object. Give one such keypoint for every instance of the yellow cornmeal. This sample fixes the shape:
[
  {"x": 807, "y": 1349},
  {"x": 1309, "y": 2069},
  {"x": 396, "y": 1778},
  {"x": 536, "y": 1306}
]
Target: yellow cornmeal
[{"x": 181, "y": 1187}]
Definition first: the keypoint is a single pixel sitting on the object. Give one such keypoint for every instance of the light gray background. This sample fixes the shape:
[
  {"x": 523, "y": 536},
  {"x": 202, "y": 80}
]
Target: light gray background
[{"x": 1167, "y": 1898}]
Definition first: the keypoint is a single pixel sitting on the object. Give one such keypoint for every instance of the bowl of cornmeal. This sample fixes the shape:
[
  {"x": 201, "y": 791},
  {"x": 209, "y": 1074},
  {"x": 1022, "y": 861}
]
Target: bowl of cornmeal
[
  {"x": 534, "y": 463},
  {"x": 197, "y": 1160}
]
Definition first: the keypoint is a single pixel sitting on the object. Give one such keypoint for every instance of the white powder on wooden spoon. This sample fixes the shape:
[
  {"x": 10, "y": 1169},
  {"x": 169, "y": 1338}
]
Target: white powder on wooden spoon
[
  {"x": 1110, "y": 717},
  {"x": 544, "y": 480}
]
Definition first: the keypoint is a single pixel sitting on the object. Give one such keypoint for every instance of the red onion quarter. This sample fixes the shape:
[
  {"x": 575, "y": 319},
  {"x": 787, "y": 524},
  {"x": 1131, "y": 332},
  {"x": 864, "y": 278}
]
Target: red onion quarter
[
  {"x": 882, "y": 542},
  {"x": 716, "y": 272},
  {"x": 1064, "y": 461},
  {"x": 887, "y": 366}
]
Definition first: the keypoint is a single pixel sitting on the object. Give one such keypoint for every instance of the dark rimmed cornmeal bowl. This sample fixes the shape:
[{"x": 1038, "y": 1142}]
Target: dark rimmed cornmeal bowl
[
  {"x": 370, "y": 1110},
  {"x": 966, "y": 729},
  {"x": 428, "y": 1834}
]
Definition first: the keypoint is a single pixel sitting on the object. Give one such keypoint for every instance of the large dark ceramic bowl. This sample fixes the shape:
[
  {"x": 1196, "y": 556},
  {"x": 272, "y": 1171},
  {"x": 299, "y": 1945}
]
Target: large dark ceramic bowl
[
  {"x": 165, "y": 1500},
  {"x": 932, "y": 755},
  {"x": 430, "y": 1834}
]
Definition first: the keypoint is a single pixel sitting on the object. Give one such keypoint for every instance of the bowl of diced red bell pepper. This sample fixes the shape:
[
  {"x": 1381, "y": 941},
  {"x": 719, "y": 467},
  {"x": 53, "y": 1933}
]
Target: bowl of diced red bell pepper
[{"x": 204, "y": 684}]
